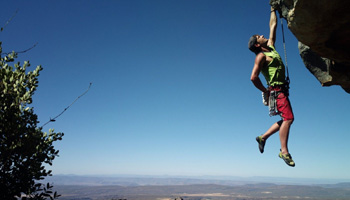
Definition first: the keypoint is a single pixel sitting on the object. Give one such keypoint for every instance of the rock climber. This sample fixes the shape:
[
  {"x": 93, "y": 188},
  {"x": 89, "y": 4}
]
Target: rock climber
[{"x": 270, "y": 64}]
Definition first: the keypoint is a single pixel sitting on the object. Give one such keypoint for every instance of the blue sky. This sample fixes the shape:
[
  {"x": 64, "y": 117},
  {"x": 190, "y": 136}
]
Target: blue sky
[{"x": 171, "y": 91}]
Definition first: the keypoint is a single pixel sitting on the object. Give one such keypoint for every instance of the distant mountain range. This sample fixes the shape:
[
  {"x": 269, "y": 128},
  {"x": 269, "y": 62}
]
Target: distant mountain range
[
  {"x": 73, "y": 187},
  {"x": 136, "y": 180}
]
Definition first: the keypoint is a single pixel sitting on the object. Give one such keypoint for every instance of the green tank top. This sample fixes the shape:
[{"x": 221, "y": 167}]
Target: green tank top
[{"x": 274, "y": 72}]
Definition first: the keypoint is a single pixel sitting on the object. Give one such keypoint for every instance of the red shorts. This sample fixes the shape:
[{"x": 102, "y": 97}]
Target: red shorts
[{"x": 284, "y": 106}]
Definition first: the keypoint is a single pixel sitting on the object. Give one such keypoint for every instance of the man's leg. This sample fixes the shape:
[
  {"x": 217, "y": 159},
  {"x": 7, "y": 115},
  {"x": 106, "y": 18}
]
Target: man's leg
[
  {"x": 273, "y": 129},
  {"x": 262, "y": 139},
  {"x": 284, "y": 134},
  {"x": 284, "y": 107}
]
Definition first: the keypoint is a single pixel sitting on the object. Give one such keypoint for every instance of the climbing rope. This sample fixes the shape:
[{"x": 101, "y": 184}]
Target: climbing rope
[{"x": 285, "y": 52}]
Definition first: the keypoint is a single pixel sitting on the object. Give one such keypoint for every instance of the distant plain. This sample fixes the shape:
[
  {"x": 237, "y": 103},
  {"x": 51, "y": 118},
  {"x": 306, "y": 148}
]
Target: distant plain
[{"x": 190, "y": 188}]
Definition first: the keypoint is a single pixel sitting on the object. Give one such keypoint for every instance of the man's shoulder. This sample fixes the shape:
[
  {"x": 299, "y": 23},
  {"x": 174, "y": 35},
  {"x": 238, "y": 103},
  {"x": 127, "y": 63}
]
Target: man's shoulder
[{"x": 260, "y": 57}]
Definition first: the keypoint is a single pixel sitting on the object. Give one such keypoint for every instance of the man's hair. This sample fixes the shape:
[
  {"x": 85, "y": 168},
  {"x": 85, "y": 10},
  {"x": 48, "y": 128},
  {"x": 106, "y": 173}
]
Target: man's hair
[{"x": 251, "y": 45}]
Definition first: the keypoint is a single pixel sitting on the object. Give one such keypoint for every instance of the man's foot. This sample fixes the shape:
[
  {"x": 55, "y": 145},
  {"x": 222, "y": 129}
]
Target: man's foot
[
  {"x": 287, "y": 158},
  {"x": 261, "y": 142}
]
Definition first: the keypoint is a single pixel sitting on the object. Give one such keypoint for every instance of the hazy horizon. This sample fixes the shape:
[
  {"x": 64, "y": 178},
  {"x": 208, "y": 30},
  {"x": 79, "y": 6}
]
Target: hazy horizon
[{"x": 253, "y": 179}]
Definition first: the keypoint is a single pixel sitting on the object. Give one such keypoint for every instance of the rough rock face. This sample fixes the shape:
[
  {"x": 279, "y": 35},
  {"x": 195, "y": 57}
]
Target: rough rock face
[{"x": 323, "y": 30}]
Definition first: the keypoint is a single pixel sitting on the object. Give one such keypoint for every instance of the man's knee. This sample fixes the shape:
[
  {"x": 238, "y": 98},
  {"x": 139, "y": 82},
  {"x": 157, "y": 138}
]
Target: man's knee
[{"x": 289, "y": 121}]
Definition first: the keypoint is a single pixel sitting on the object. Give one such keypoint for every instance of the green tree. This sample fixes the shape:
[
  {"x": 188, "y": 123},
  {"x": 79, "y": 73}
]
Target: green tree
[{"x": 25, "y": 149}]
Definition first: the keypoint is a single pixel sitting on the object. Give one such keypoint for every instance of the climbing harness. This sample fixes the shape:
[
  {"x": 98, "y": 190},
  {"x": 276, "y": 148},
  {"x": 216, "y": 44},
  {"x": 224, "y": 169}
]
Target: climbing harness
[
  {"x": 273, "y": 103},
  {"x": 274, "y": 93},
  {"x": 269, "y": 99}
]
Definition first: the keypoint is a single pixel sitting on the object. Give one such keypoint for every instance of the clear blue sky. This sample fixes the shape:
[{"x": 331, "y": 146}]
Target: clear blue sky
[{"x": 171, "y": 91}]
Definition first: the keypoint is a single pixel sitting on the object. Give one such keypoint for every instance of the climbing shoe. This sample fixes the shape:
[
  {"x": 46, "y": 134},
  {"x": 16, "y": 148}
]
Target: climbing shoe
[
  {"x": 287, "y": 158},
  {"x": 261, "y": 142}
]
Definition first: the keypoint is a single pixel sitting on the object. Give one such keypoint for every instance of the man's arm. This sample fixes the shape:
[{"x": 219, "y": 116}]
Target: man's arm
[
  {"x": 258, "y": 64},
  {"x": 273, "y": 26}
]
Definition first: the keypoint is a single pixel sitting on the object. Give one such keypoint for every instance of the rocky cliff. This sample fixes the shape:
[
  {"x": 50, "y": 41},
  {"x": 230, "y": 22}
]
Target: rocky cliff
[{"x": 323, "y": 30}]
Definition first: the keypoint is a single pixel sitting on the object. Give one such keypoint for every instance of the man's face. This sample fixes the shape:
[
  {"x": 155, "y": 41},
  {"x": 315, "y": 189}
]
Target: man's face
[{"x": 260, "y": 39}]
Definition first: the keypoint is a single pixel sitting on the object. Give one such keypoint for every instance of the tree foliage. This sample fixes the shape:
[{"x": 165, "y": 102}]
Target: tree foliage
[{"x": 24, "y": 148}]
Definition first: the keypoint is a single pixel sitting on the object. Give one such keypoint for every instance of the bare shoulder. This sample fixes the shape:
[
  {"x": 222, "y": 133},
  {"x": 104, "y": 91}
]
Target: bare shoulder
[{"x": 260, "y": 58}]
